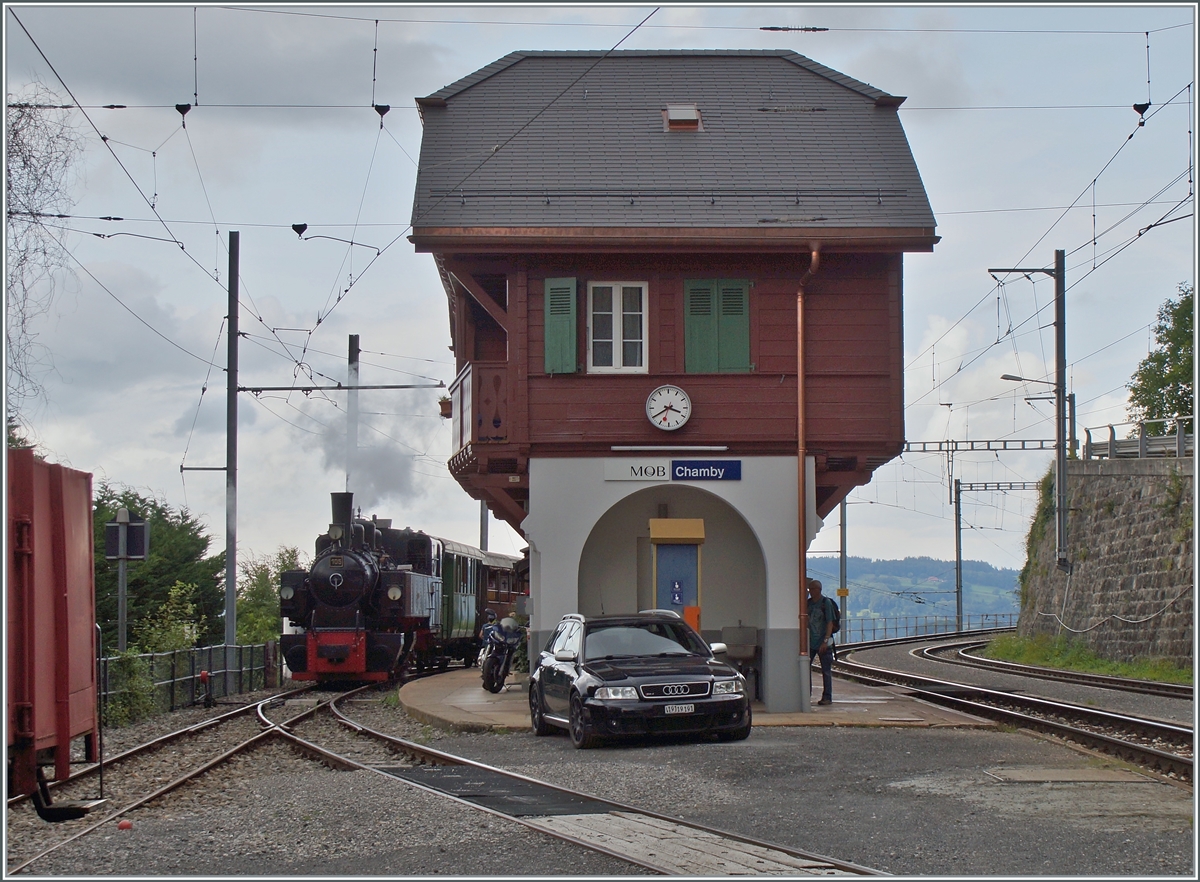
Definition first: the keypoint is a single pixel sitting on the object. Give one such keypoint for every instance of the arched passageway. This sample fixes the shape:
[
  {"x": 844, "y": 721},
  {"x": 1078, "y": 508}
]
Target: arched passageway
[{"x": 616, "y": 566}]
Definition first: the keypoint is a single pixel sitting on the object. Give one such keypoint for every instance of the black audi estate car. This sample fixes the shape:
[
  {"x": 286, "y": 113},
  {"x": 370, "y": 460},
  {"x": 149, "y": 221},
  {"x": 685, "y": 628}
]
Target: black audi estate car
[{"x": 642, "y": 674}]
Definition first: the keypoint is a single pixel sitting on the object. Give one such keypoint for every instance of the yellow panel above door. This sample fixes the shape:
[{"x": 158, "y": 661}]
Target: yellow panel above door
[{"x": 677, "y": 531}]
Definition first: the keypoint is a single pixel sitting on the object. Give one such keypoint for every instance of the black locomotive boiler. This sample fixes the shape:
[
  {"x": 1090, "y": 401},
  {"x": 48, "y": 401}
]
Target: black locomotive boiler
[{"x": 377, "y": 600}]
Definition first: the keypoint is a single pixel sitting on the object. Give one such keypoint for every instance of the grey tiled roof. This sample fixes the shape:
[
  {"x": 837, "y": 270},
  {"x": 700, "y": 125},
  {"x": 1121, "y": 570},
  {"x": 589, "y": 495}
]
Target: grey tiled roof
[{"x": 786, "y": 142}]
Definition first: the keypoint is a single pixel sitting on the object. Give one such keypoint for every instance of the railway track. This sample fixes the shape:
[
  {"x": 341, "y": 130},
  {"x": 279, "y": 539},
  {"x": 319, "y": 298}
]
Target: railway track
[
  {"x": 1158, "y": 746},
  {"x": 964, "y": 653},
  {"x": 134, "y": 778},
  {"x": 325, "y": 730},
  {"x": 119, "y": 764}
]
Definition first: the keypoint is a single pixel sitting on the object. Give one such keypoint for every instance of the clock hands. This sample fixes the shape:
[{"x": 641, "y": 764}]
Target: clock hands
[{"x": 668, "y": 407}]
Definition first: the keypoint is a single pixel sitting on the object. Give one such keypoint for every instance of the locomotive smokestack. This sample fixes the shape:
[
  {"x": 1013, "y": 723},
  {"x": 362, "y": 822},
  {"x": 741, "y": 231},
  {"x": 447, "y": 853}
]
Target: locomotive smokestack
[{"x": 343, "y": 514}]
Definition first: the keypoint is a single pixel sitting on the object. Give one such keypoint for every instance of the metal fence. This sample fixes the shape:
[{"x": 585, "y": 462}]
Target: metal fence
[
  {"x": 1141, "y": 445},
  {"x": 178, "y": 678},
  {"x": 855, "y": 630}
]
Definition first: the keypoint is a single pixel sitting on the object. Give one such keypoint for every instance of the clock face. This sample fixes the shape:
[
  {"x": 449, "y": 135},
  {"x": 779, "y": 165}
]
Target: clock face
[{"x": 668, "y": 408}]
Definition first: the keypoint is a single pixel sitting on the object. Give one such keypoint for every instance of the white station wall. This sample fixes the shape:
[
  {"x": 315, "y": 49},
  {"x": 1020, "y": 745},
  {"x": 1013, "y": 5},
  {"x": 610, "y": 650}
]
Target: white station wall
[{"x": 749, "y": 561}]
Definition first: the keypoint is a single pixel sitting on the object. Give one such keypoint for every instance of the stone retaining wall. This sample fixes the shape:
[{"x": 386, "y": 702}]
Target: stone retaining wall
[{"x": 1129, "y": 539}]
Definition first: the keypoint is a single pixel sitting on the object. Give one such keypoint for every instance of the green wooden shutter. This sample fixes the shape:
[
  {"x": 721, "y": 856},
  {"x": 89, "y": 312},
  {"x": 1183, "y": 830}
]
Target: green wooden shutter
[
  {"x": 733, "y": 325},
  {"x": 700, "y": 326},
  {"x": 560, "y": 326}
]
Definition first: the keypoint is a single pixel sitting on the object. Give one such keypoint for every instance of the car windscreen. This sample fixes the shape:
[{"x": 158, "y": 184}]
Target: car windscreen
[{"x": 641, "y": 639}]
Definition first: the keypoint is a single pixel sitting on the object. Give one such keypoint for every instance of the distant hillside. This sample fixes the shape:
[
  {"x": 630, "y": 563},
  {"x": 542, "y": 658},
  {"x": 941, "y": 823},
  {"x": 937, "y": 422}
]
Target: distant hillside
[{"x": 917, "y": 586}]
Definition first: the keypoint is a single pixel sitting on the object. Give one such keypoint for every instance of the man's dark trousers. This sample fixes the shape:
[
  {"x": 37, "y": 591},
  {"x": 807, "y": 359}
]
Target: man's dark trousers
[{"x": 826, "y": 670}]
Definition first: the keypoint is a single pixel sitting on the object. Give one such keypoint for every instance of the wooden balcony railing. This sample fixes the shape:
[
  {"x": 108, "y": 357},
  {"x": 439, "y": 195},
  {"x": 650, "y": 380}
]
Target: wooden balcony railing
[{"x": 479, "y": 404}]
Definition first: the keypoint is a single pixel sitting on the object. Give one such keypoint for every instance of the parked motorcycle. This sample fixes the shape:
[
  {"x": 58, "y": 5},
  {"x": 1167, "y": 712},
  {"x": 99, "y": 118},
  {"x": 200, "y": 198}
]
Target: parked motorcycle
[{"x": 499, "y": 647}]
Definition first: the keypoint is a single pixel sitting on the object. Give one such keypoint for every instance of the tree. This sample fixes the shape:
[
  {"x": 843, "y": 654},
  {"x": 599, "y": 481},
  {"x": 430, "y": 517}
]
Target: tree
[
  {"x": 258, "y": 618},
  {"x": 178, "y": 549},
  {"x": 42, "y": 148},
  {"x": 17, "y": 438},
  {"x": 174, "y": 625},
  {"x": 1161, "y": 387}
]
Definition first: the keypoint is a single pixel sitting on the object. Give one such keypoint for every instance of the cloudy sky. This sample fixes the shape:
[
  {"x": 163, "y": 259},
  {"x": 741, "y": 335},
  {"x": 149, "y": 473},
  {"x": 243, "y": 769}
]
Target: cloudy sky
[{"x": 1020, "y": 119}]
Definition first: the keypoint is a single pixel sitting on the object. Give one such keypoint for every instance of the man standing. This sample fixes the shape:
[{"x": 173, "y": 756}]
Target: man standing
[{"x": 820, "y": 637}]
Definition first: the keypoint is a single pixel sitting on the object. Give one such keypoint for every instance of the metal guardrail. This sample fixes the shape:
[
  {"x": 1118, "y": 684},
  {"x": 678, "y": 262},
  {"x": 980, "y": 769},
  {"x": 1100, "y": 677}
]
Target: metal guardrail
[
  {"x": 863, "y": 629},
  {"x": 1179, "y": 444},
  {"x": 176, "y": 676}
]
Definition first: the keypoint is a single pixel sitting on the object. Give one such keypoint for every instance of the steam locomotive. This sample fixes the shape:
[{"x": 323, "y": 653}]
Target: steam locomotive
[{"x": 378, "y": 600}]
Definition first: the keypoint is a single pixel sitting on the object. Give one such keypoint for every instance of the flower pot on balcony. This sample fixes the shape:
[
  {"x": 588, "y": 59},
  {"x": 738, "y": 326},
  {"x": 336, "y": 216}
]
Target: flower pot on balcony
[{"x": 445, "y": 404}]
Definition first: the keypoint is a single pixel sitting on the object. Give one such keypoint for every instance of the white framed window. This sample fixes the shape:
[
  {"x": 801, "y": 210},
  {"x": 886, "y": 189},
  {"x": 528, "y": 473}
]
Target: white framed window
[{"x": 616, "y": 331}]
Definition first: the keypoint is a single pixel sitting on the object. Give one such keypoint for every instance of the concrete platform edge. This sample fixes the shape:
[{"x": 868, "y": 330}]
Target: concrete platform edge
[
  {"x": 450, "y": 725},
  {"x": 454, "y": 702}
]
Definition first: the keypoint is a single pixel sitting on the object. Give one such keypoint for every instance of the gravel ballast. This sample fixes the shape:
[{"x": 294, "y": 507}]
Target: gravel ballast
[{"x": 905, "y": 801}]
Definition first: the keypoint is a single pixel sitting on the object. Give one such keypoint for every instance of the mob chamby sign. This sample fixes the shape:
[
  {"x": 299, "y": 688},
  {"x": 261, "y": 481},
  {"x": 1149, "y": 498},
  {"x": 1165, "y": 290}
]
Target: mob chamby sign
[{"x": 672, "y": 469}]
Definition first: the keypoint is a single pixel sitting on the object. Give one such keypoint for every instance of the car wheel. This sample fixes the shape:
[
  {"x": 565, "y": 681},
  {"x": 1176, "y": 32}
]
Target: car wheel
[
  {"x": 536, "y": 717},
  {"x": 740, "y": 734},
  {"x": 581, "y": 733}
]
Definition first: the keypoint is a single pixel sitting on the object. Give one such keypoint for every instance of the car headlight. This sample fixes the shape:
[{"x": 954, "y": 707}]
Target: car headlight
[
  {"x": 727, "y": 687},
  {"x": 626, "y": 692}
]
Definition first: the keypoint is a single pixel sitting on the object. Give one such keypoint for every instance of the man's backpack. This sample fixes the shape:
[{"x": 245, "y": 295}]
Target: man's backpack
[{"x": 836, "y": 618}]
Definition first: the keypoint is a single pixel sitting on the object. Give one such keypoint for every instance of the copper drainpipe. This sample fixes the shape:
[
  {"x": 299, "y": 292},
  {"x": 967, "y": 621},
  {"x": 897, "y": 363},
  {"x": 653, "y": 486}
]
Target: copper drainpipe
[{"x": 802, "y": 475}]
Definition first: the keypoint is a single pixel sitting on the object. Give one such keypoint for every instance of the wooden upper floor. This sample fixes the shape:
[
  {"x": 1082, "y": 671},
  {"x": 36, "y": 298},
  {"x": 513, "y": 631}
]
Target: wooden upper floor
[{"x": 557, "y": 356}]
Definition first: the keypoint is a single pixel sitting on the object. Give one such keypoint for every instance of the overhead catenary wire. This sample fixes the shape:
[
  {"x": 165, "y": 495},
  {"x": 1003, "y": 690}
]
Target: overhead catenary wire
[
  {"x": 363, "y": 224},
  {"x": 1016, "y": 393},
  {"x": 690, "y": 27},
  {"x": 1107, "y": 256},
  {"x": 912, "y": 595},
  {"x": 1153, "y": 200},
  {"x": 1096, "y": 177},
  {"x": 130, "y": 310},
  {"x": 300, "y": 369},
  {"x": 149, "y": 202},
  {"x": 349, "y": 253},
  {"x": 258, "y": 400},
  {"x": 363, "y": 363},
  {"x": 375, "y": 63},
  {"x": 258, "y": 105},
  {"x": 203, "y": 189},
  {"x": 493, "y": 153},
  {"x": 1064, "y": 213},
  {"x": 104, "y": 140},
  {"x": 196, "y": 416}
]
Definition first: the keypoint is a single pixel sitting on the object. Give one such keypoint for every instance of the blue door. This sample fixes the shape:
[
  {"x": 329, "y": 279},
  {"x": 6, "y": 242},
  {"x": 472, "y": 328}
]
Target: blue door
[{"x": 678, "y": 570}]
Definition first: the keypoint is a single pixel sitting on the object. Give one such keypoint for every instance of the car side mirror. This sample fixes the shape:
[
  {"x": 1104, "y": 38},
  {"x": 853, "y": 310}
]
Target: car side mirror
[
  {"x": 565, "y": 655},
  {"x": 718, "y": 648}
]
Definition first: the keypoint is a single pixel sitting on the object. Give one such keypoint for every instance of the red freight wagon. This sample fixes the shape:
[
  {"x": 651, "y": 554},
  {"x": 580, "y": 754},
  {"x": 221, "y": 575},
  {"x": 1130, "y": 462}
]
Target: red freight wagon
[{"x": 51, "y": 627}]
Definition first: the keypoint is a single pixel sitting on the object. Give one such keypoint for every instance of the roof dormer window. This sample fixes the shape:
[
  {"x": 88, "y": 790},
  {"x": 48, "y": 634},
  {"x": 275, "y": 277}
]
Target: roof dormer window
[{"x": 682, "y": 118}]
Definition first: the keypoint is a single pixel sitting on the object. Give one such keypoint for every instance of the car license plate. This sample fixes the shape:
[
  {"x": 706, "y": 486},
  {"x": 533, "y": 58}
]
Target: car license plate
[{"x": 679, "y": 708}]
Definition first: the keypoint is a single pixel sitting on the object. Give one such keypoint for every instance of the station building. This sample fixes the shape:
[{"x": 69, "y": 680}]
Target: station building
[{"x": 639, "y": 248}]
